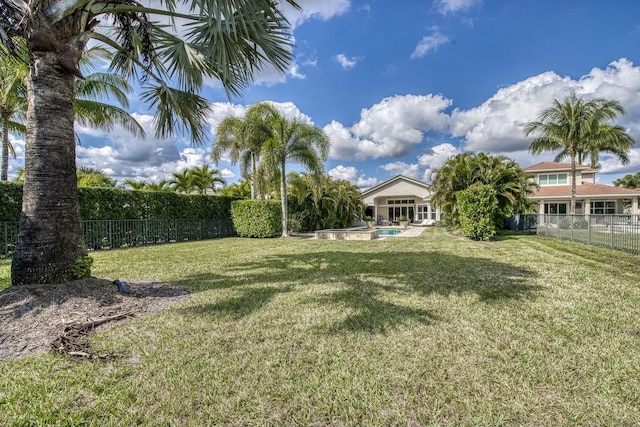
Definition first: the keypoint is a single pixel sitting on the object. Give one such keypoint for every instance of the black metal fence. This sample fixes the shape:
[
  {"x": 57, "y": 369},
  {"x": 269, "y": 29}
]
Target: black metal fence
[
  {"x": 524, "y": 223},
  {"x": 620, "y": 232},
  {"x": 119, "y": 234}
]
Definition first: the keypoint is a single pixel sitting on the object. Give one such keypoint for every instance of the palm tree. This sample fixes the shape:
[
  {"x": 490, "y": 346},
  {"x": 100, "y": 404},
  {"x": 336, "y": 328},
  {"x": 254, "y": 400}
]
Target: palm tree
[
  {"x": 238, "y": 190},
  {"x": 135, "y": 185},
  {"x": 628, "y": 181},
  {"x": 228, "y": 39},
  {"x": 579, "y": 128},
  {"x": 292, "y": 140},
  {"x": 180, "y": 182},
  {"x": 88, "y": 110},
  {"x": 203, "y": 179},
  {"x": 511, "y": 182},
  {"x": 13, "y": 105},
  {"x": 91, "y": 177},
  {"x": 243, "y": 139}
]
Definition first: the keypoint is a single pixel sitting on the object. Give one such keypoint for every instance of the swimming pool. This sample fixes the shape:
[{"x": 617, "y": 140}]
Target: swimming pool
[{"x": 384, "y": 231}]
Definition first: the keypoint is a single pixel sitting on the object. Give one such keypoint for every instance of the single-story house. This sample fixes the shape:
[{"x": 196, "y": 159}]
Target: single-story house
[
  {"x": 554, "y": 195},
  {"x": 400, "y": 196}
]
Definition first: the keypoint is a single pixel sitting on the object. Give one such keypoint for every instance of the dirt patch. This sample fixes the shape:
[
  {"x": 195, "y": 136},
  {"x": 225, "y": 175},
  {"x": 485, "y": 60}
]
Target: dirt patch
[{"x": 39, "y": 318}]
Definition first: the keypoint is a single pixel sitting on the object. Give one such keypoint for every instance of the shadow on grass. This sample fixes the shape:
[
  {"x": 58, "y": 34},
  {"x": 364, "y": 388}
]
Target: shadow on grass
[{"x": 378, "y": 289}]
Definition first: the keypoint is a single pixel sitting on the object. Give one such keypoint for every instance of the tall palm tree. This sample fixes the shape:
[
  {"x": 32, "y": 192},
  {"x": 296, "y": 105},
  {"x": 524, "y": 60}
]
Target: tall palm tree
[
  {"x": 292, "y": 140},
  {"x": 89, "y": 111},
  {"x": 577, "y": 128},
  {"x": 227, "y": 39},
  {"x": 203, "y": 179},
  {"x": 243, "y": 139},
  {"x": 13, "y": 105}
]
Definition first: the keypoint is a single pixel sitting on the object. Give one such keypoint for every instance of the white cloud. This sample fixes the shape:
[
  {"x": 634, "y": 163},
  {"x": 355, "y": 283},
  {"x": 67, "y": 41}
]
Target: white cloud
[
  {"x": 346, "y": 63},
  {"x": 453, "y": 6},
  {"x": 390, "y": 128},
  {"x": 434, "y": 158},
  {"x": 350, "y": 173},
  {"x": 312, "y": 9},
  {"x": 429, "y": 44},
  {"x": 402, "y": 168},
  {"x": 497, "y": 125}
]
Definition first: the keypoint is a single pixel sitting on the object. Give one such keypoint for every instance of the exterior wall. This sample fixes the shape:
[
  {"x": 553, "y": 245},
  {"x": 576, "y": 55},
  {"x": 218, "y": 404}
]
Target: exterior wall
[{"x": 399, "y": 189}]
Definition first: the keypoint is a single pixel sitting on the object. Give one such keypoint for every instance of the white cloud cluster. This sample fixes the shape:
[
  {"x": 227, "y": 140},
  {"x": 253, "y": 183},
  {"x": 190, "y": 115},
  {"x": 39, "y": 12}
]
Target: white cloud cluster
[
  {"x": 497, "y": 125},
  {"x": 454, "y": 6},
  {"x": 429, "y": 44},
  {"x": 345, "y": 62},
  {"x": 311, "y": 9},
  {"x": 435, "y": 157},
  {"x": 391, "y": 128},
  {"x": 350, "y": 173}
]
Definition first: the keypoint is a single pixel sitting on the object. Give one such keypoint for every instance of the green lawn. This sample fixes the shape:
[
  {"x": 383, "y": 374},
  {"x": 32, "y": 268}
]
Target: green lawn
[{"x": 427, "y": 330}]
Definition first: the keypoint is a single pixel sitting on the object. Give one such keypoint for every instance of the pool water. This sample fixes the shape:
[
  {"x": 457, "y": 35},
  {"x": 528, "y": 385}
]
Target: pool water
[
  {"x": 384, "y": 231},
  {"x": 389, "y": 231}
]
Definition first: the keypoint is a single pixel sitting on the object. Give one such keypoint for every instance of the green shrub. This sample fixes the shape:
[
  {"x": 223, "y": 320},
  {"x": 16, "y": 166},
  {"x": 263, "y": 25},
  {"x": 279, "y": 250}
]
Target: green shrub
[
  {"x": 581, "y": 223},
  {"x": 10, "y": 201},
  {"x": 564, "y": 223},
  {"x": 477, "y": 207},
  {"x": 256, "y": 218}
]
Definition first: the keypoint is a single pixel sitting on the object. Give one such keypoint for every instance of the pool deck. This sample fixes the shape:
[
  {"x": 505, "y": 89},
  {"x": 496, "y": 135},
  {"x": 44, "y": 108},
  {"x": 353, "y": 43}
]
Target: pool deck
[{"x": 360, "y": 234}]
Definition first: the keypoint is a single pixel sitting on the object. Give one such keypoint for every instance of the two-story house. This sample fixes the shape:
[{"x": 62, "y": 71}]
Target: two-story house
[{"x": 554, "y": 194}]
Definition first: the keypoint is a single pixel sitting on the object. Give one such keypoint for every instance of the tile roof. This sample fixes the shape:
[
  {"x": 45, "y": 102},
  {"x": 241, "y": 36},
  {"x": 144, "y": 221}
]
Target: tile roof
[
  {"x": 584, "y": 190},
  {"x": 550, "y": 166}
]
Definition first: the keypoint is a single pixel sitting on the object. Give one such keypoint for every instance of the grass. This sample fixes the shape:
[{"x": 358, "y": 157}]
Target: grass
[{"x": 429, "y": 330}]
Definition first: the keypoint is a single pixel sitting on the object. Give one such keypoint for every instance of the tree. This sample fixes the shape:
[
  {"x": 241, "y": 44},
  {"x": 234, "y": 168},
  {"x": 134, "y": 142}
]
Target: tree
[
  {"x": 291, "y": 140},
  {"x": 180, "y": 182},
  {"x": 238, "y": 190},
  {"x": 228, "y": 40},
  {"x": 142, "y": 185},
  {"x": 89, "y": 111},
  {"x": 243, "y": 139},
  {"x": 91, "y": 177},
  {"x": 628, "y": 181},
  {"x": 511, "y": 182},
  {"x": 13, "y": 105},
  {"x": 319, "y": 202},
  {"x": 579, "y": 128},
  {"x": 203, "y": 179}
]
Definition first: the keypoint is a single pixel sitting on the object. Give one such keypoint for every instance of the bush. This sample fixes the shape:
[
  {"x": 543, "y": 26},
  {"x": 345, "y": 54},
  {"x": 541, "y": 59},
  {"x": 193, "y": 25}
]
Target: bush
[
  {"x": 256, "y": 218},
  {"x": 581, "y": 223},
  {"x": 564, "y": 223},
  {"x": 477, "y": 211}
]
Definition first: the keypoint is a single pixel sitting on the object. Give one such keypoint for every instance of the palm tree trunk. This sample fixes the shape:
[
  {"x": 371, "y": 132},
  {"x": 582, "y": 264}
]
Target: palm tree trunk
[
  {"x": 572, "y": 210},
  {"x": 4, "y": 175},
  {"x": 253, "y": 176},
  {"x": 283, "y": 201},
  {"x": 50, "y": 240}
]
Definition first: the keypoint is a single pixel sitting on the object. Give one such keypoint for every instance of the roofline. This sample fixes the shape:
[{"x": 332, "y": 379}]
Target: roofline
[
  {"x": 395, "y": 178},
  {"x": 556, "y": 168}
]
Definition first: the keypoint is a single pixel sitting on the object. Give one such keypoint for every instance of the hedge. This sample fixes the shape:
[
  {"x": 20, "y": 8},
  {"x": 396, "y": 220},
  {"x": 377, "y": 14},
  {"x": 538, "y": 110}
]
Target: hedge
[
  {"x": 257, "y": 218},
  {"x": 117, "y": 203}
]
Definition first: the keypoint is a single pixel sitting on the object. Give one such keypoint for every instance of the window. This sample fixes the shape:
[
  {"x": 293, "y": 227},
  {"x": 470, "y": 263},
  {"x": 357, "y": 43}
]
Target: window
[
  {"x": 603, "y": 208},
  {"x": 555, "y": 208},
  {"x": 423, "y": 212},
  {"x": 552, "y": 179},
  {"x": 400, "y": 201}
]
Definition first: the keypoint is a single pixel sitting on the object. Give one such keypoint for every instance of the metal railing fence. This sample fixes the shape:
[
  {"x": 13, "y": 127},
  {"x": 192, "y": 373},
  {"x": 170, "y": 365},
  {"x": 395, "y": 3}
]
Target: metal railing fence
[
  {"x": 120, "y": 234},
  {"x": 620, "y": 232}
]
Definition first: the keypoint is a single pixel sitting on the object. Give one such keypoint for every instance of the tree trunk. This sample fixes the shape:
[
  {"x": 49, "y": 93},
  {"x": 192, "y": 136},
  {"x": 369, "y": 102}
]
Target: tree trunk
[
  {"x": 252, "y": 178},
  {"x": 572, "y": 210},
  {"x": 283, "y": 201},
  {"x": 51, "y": 239},
  {"x": 4, "y": 175}
]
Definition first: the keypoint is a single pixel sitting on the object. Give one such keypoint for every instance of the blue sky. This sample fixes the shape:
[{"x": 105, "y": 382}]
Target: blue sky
[{"x": 399, "y": 86}]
